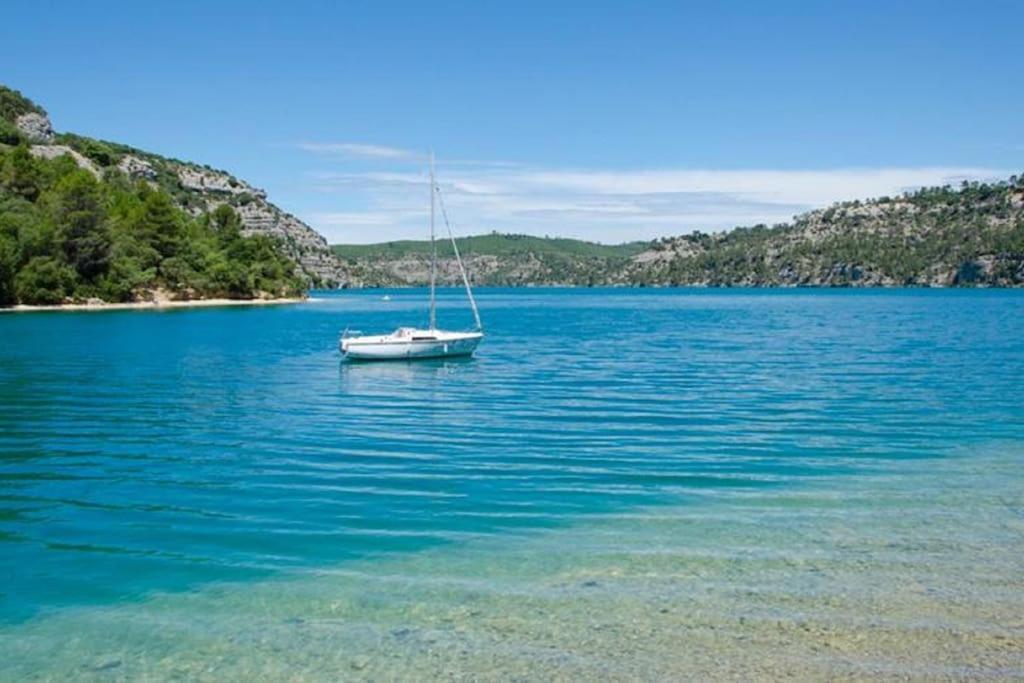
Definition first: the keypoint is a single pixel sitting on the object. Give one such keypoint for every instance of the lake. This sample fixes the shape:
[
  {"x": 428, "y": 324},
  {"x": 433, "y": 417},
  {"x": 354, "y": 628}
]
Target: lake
[{"x": 622, "y": 483}]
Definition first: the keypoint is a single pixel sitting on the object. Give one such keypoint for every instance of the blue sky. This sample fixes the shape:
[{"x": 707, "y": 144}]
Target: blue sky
[{"x": 607, "y": 121}]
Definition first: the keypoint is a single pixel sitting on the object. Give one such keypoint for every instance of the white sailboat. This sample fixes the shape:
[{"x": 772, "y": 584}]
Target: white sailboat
[{"x": 411, "y": 342}]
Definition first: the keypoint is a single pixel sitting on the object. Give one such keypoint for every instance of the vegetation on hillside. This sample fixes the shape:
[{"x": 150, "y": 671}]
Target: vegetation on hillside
[
  {"x": 66, "y": 235},
  {"x": 121, "y": 224},
  {"x": 78, "y": 229},
  {"x": 493, "y": 259},
  {"x": 296, "y": 240},
  {"x": 971, "y": 235},
  {"x": 492, "y": 244},
  {"x": 12, "y": 105}
]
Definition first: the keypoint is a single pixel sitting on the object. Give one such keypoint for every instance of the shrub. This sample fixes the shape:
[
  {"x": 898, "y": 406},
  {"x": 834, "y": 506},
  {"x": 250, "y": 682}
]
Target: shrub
[{"x": 44, "y": 280}]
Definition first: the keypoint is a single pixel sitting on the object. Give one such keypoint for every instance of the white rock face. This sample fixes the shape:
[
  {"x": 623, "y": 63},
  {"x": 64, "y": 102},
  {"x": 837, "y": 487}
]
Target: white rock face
[
  {"x": 54, "y": 151},
  {"x": 35, "y": 127},
  {"x": 212, "y": 182},
  {"x": 137, "y": 168},
  {"x": 667, "y": 252},
  {"x": 303, "y": 244}
]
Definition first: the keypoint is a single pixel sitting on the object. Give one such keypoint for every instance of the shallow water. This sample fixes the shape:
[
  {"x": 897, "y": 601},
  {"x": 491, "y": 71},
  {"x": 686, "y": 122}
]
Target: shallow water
[{"x": 634, "y": 484}]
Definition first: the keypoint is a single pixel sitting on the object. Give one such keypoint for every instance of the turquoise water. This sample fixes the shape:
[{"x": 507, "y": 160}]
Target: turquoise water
[{"x": 606, "y": 452}]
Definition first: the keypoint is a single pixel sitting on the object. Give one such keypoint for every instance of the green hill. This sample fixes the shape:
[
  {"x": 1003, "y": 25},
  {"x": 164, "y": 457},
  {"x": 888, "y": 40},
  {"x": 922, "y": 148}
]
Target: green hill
[
  {"x": 494, "y": 244},
  {"x": 972, "y": 235},
  {"x": 88, "y": 219},
  {"x": 492, "y": 259}
]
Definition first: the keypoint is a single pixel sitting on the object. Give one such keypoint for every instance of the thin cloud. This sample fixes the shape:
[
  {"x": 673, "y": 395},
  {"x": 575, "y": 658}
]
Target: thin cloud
[
  {"x": 355, "y": 150},
  {"x": 803, "y": 187},
  {"x": 353, "y": 218},
  {"x": 609, "y": 205}
]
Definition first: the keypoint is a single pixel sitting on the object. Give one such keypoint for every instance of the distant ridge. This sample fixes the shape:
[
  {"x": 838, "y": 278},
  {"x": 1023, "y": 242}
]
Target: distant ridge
[
  {"x": 492, "y": 259},
  {"x": 972, "y": 235}
]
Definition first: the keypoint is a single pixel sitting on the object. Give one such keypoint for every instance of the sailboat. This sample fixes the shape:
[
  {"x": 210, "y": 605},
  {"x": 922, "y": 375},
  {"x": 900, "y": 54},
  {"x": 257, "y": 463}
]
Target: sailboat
[{"x": 407, "y": 343}]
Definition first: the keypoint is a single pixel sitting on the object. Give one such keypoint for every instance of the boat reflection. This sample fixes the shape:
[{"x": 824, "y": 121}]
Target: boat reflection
[{"x": 362, "y": 375}]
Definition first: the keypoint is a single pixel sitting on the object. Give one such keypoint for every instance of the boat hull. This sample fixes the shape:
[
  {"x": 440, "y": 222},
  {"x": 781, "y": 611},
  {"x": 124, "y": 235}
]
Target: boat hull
[{"x": 389, "y": 349}]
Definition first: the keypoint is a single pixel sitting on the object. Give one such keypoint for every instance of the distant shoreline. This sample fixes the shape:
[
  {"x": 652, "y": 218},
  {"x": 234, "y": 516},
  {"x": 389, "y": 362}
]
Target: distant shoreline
[
  {"x": 698, "y": 285},
  {"x": 158, "y": 305}
]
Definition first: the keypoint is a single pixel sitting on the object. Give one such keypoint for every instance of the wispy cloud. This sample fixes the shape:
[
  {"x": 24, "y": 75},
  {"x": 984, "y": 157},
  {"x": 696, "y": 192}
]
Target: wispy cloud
[
  {"x": 605, "y": 205},
  {"x": 805, "y": 187},
  {"x": 355, "y": 150},
  {"x": 354, "y": 218}
]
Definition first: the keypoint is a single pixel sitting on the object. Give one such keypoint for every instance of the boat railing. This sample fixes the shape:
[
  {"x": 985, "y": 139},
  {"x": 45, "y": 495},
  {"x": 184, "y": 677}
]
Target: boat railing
[{"x": 347, "y": 333}]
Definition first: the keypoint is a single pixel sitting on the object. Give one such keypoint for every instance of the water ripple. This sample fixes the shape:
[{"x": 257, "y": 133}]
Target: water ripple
[{"x": 141, "y": 451}]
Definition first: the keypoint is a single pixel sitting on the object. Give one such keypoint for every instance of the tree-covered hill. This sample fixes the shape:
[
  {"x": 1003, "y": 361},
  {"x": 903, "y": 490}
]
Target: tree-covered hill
[
  {"x": 492, "y": 259},
  {"x": 66, "y": 235},
  {"x": 972, "y": 235},
  {"x": 74, "y": 226},
  {"x": 492, "y": 244}
]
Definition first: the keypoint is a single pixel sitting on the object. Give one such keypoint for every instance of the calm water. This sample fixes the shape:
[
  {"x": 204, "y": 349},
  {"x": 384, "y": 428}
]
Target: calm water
[{"x": 163, "y": 472}]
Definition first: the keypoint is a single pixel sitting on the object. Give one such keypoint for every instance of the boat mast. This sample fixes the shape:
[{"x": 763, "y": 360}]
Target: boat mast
[
  {"x": 465, "y": 278},
  {"x": 458, "y": 259},
  {"x": 433, "y": 249}
]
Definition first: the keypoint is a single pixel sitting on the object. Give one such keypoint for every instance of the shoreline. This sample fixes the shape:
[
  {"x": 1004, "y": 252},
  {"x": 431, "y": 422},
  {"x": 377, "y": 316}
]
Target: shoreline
[
  {"x": 634, "y": 285},
  {"x": 151, "y": 305}
]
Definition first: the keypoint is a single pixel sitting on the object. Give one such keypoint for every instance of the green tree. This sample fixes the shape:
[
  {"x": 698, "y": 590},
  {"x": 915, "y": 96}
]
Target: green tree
[
  {"x": 231, "y": 279},
  {"x": 44, "y": 280},
  {"x": 81, "y": 220},
  {"x": 8, "y": 269},
  {"x": 9, "y": 133},
  {"x": 160, "y": 223},
  {"x": 226, "y": 223},
  {"x": 20, "y": 173},
  {"x": 13, "y": 104}
]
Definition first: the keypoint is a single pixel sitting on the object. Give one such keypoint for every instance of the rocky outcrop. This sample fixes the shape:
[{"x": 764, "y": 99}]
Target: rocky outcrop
[
  {"x": 54, "y": 151},
  {"x": 136, "y": 167},
  {"x": 35, "y": 127},
  {"x": 304, "y": 245},
  {"x": 300, "y": 242},
  {"x": 665, "y": 251},
  {"x": 207, "y": 181}
]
